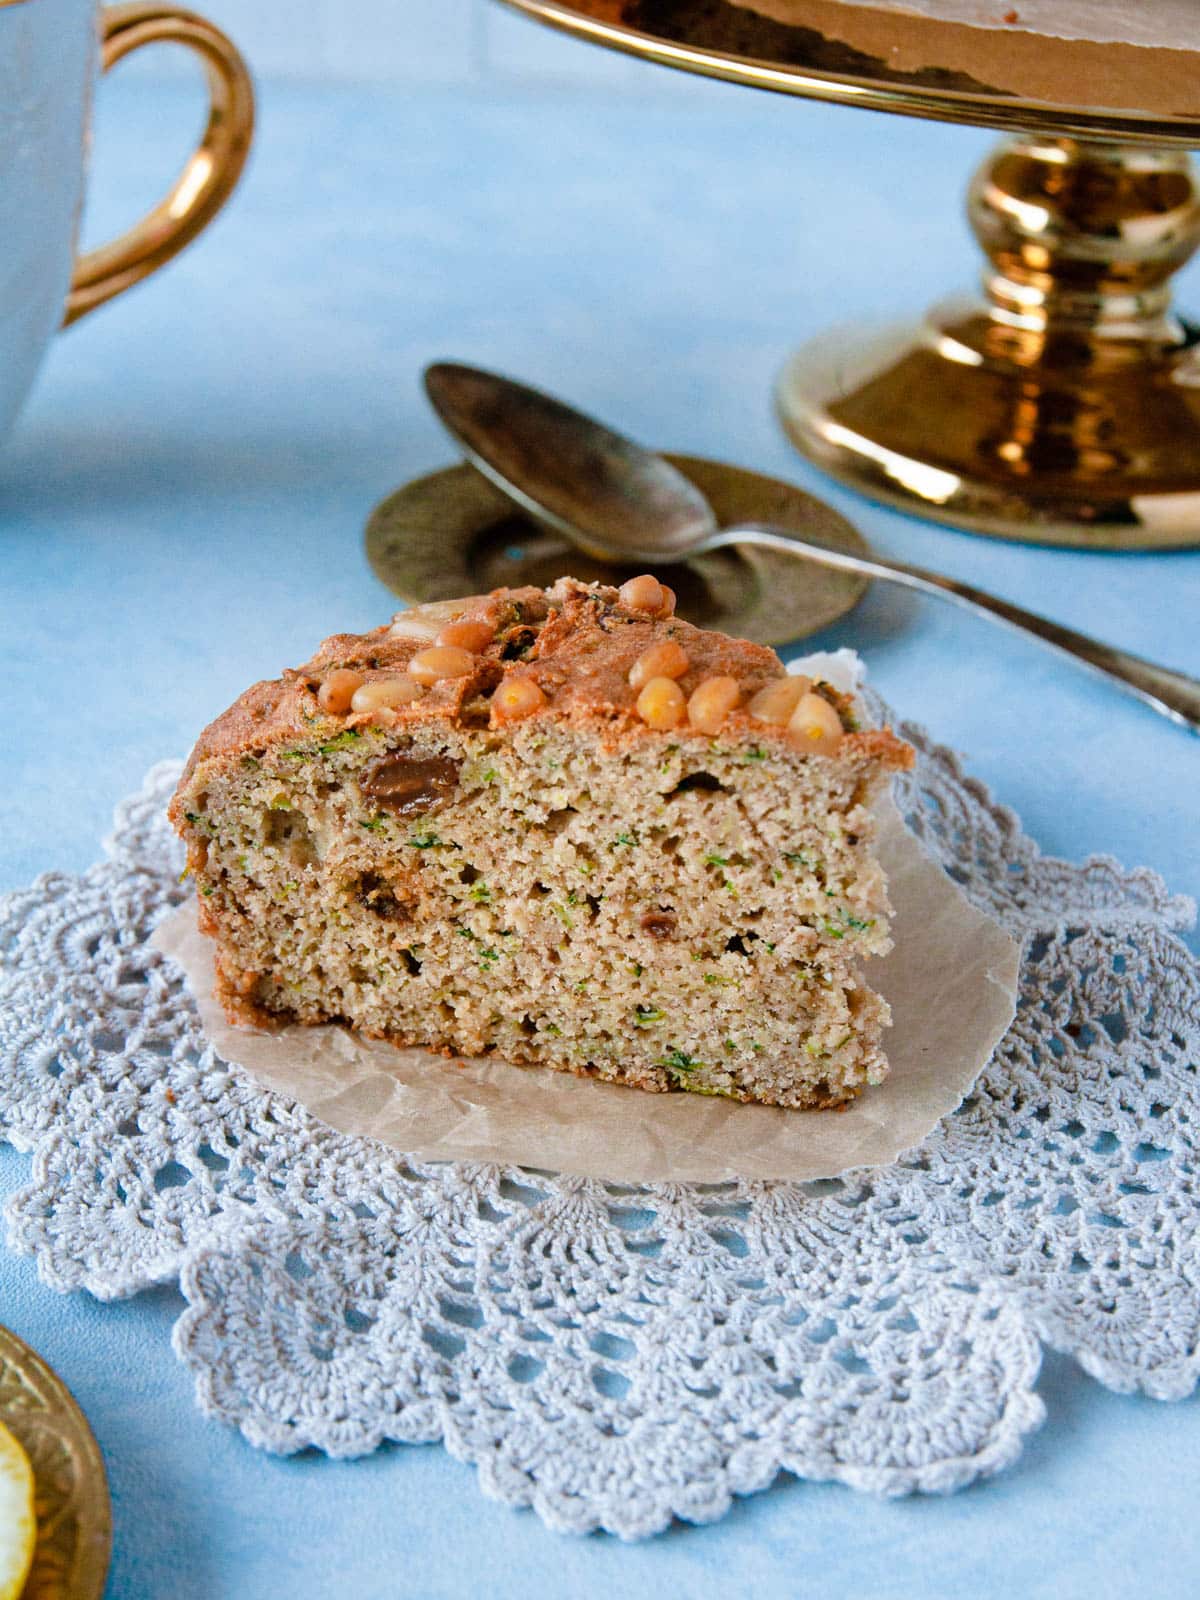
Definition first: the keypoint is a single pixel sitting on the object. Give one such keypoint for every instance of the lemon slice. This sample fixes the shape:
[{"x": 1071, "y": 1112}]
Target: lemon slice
[{"x": 18, "y": 1528}]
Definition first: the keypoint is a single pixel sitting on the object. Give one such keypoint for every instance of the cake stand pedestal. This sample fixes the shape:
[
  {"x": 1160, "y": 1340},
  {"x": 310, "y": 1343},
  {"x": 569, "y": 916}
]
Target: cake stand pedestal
[{"x": 1060, "y": 405}]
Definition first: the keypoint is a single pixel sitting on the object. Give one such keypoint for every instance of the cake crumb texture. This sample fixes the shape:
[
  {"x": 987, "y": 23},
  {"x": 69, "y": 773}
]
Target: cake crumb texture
[{"x": 475, "y": 830}]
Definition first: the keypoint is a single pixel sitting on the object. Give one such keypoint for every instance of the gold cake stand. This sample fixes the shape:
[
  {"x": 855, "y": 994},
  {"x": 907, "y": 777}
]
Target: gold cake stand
[{"x": 1061, "y": 404}]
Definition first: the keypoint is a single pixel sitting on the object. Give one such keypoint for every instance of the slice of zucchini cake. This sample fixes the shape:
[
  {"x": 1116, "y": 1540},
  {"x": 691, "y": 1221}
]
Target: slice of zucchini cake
[{"x": 562, "y": 826}]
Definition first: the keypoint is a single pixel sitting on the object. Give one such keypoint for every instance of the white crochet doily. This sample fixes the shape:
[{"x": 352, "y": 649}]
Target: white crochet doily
[{"x": 616, "y": 1357}]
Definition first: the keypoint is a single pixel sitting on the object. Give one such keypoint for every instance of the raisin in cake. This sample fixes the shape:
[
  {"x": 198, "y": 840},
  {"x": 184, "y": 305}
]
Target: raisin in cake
[{"x": 562, "y": 826}]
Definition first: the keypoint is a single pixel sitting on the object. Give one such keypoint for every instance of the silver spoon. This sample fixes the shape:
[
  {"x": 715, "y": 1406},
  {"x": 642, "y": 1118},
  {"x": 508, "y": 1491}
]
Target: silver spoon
[{"x": 621, "y": 503}]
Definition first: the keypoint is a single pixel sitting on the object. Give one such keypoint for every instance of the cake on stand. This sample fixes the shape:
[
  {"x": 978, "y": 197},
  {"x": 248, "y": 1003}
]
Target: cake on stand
[{"x": 1062, "y": 404}]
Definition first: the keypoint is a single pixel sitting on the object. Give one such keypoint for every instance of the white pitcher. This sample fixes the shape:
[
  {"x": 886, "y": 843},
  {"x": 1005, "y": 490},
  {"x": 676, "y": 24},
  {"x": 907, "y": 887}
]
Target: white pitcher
[{"x": 50, "y": 54}]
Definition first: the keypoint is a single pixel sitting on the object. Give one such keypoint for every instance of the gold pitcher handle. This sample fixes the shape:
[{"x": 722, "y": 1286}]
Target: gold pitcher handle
[{"x": 212, "y": 170}]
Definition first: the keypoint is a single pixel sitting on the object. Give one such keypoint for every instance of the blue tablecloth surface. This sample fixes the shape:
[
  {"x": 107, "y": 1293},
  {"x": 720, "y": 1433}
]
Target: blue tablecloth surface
[{"x": 181, "y": 512}]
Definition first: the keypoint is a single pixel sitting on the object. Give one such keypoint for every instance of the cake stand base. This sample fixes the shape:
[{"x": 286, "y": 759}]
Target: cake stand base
[
  {"x": 1063, "y": 406},
  {"x": 1113, "y": 465}
]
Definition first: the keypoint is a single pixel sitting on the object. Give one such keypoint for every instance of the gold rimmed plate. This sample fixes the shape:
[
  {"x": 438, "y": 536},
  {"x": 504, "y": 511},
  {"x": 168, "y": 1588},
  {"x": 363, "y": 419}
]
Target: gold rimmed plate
[
  {"x": 451, "y": 533},
  {"x": 74, "y": 1519},
  {"x": 908, "y": 62}
]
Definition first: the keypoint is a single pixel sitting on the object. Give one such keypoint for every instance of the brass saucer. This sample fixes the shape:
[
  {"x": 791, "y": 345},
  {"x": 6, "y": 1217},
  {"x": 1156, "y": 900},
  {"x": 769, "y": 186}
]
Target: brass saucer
[
  {"x": 451, "y": 533},
  {"x": 73, "y": 1514}
]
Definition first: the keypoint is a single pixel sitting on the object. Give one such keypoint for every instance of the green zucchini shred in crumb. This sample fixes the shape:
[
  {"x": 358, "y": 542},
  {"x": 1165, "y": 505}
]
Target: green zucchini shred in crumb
[
  {"x": 677, "y": 1060},
  {"x": 850, "y": 924},
  {"x": 481, "y": 894},
  {"x": 645, "y": 1016},
  {"x": 340, "y": 741},
  {"x": 424, "y": 841},
  {"x": 712, "y": 859},
  {"x": 251, "y": 763},
  {"x": 552, "y": 1027},
  {"x": 755, "y": 753},
  {"x": 373, "y": 824},
  {"x": 630, "y": 839},
  {"x": 488, "y": 956}
]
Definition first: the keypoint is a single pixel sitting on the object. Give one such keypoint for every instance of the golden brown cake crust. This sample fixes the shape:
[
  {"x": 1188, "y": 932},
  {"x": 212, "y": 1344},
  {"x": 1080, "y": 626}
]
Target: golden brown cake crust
[{"x": 576, "y": 642}]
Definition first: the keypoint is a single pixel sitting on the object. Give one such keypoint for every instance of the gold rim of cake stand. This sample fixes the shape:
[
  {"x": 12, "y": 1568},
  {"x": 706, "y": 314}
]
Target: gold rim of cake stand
[
  {"x": 887, "y": 92},
  {"x": 74, "y": 1517}
]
